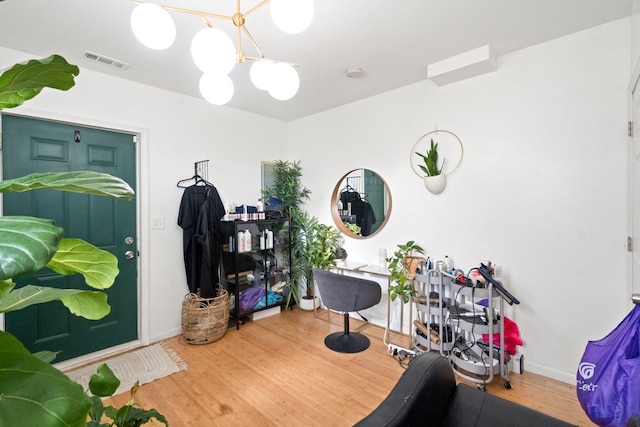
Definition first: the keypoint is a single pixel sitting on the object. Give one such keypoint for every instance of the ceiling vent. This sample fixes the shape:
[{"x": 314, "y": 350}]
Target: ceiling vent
[{"x": 114, "y": 63}]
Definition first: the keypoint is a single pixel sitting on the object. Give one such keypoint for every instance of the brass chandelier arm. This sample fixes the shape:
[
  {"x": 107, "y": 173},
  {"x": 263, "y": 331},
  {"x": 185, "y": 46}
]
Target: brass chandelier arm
[
  {"x": 256, "y": 7},
  {"x": 208, "y": 14},
  {"x": 253, "y": 41},
  {"x": 238, "y": 20}
]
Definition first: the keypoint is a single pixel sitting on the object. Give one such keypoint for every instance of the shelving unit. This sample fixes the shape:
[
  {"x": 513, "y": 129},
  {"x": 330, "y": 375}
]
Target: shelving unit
[
  {"x": 461, "y": 324},
  {"x": 256, "y": 277}
]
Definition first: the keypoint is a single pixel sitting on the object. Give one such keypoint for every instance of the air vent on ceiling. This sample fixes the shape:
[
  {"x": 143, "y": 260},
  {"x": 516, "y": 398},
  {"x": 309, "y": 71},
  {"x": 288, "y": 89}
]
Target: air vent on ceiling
[{"x": 120, "y": 65}]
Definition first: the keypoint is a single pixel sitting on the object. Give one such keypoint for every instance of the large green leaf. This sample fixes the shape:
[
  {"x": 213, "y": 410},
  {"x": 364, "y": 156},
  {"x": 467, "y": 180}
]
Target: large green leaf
[
  {"x": 99, "y": 267},
  {"x": 34, "y": 393},
  {"x": 26, "y": 244},
  {"x": 91, "y": 305},
  {"x": 104, "y": 382},
  {"x": 24, "y": 81},
  {"x": 5, "y": 287},
  {"x": 86, "y": 182}
]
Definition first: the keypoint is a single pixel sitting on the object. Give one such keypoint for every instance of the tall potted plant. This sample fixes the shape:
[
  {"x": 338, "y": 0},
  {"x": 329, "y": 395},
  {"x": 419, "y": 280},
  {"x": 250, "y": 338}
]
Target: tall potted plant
[
  {"x": 434, "y": 179},
  {"x": 402, "y": 266},
  {"x": 321, "y": 245},
  {"x": 288, "y": 187}
]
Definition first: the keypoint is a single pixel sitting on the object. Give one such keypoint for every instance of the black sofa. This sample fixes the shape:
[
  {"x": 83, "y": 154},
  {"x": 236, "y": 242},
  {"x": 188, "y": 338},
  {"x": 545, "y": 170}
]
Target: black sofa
[{"x": 427, "y": 395}]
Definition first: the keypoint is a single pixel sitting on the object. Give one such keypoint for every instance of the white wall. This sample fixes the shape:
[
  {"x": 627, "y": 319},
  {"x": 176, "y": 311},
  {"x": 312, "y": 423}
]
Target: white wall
[
  {"x": 177, "y": 131},
  {"x": 543, "y": 182}
]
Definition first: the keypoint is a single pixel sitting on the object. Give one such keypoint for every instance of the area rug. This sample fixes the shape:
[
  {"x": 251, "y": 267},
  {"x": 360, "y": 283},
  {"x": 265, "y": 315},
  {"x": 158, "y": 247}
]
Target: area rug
[{"x": 143, "y": 365}]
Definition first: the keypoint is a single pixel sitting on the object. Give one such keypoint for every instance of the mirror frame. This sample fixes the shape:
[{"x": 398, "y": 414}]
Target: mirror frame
[{"x": 336, "y": 215}]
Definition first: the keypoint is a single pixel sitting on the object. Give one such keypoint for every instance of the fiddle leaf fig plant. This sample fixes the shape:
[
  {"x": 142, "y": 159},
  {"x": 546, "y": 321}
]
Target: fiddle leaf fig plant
[
  {"x": 400, "y": 269},
  {"x": 430, "y": 160},
  {"x": 33, "y": 392}
]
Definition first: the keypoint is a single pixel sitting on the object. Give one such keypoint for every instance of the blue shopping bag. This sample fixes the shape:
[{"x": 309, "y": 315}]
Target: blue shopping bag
[{"x": 608, "y": 377}]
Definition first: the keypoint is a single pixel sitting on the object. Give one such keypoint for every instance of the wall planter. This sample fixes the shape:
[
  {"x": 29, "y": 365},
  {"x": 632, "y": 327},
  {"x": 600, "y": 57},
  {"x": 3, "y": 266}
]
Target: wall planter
[
  {"x": 435, "y": 184},
  {"x": 430, "y": 158}
]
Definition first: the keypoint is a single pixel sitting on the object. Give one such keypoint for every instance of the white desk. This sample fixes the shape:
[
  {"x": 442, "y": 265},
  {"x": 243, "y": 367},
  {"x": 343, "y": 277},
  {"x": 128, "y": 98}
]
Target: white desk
[
  {"x": 343, "y": 266},
  {"x": 383, "y": 271}
]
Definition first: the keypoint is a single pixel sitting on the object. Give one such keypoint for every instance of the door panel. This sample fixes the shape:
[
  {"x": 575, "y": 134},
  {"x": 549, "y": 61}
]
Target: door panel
[{"x": 31, "y": 145}]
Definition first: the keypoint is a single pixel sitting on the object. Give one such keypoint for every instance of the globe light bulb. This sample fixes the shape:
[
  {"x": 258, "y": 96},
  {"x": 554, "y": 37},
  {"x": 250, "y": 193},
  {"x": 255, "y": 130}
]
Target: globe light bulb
[
  {"x": 292, "y": 16},
  {"x": 213, "y": 51},
  {"x": 260, "y": 74},
  {"x": 216, "y": 88},
  {"x": 284, "y": 82},
  {"x": 153, "y": 26}
]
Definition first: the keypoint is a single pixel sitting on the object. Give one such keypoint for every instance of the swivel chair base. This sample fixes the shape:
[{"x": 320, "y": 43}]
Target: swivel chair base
[{"x": 346, "y": 343}]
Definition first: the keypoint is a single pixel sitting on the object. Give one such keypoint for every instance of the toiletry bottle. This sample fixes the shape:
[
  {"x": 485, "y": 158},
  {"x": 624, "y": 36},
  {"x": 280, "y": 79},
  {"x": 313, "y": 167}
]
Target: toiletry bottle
[
  {"x": 260, "y": 209},
  {"x": 247, "y": 241},
  {"x": 269, "y": 239},
  {"x": 262, "y": 241},
  {"x": 448, "y": 264},
  {"x": 240, "y": 241}
]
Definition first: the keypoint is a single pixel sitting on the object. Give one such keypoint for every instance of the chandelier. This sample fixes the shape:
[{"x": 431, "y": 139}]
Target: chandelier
[{"x": 214, "y": 53}]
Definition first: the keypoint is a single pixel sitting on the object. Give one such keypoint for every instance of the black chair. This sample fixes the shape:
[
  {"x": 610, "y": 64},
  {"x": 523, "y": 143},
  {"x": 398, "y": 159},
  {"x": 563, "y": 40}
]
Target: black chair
[
  {"x": 346, "y": 294},
  {"x": 427, "y": 395}
]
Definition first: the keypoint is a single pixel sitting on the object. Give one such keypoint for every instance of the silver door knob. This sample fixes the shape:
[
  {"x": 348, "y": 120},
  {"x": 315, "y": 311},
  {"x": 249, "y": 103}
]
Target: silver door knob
[{"x": 129, "y": 254}]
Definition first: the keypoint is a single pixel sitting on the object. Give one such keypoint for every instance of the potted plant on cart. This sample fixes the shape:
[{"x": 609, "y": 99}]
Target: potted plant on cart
[
  {"x": 402, "y": 266},
  {"x": 434, "y": 179}
]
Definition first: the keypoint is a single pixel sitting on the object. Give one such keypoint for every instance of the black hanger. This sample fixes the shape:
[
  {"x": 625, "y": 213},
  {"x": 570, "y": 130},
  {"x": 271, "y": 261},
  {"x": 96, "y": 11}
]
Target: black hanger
[{"x": 197, "y": 180}]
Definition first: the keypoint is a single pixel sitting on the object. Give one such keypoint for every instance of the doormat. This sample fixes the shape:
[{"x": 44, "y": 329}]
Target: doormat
[{"x": 143, "y": 365}]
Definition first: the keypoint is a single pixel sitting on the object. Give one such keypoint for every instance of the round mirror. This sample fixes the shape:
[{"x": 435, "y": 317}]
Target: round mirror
[{"x": 361, "y": 203}]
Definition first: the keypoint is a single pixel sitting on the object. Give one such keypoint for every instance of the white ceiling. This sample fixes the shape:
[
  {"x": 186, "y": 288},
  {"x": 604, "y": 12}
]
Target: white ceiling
[{"x": 393, "y": 41}]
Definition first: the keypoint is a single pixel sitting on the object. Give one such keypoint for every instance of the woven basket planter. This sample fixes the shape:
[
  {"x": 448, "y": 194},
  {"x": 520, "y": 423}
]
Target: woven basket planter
[{"x": 205, "y": 320}]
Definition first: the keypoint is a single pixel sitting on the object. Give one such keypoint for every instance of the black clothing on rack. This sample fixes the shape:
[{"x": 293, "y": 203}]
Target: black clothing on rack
[
  {"x": 201, "y": 210},
  {"x": 361, "y": 208}
]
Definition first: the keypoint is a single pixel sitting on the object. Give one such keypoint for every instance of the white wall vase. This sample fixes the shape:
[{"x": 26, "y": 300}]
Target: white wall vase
[{"x": 436, "y": 183}]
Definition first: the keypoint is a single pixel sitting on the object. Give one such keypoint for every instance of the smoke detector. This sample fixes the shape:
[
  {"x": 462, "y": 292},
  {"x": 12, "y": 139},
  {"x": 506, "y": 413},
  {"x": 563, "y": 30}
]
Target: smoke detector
[{"x": 354, "y": 72}]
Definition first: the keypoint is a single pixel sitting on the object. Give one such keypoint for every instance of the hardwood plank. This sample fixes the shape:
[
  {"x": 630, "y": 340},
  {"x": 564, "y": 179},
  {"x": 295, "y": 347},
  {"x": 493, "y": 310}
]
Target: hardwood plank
[{"x": 277, "y": 372}]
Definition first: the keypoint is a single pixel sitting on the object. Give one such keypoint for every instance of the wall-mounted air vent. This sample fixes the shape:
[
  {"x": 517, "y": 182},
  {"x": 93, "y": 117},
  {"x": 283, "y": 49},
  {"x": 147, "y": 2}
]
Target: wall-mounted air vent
[{"x": 120, "y": 65}]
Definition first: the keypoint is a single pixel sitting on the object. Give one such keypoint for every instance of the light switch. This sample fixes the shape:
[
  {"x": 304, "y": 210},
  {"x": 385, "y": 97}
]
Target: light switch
[{"x": 157, "y": 223}]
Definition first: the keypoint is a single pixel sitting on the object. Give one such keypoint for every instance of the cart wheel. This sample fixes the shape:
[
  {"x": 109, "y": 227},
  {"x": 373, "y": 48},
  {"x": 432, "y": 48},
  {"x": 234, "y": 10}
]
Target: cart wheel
[{"x": 507, "y": 384}]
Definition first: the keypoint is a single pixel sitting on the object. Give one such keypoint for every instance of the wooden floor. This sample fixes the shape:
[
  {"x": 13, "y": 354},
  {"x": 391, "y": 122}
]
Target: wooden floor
[{"x": 277, "y": 372}]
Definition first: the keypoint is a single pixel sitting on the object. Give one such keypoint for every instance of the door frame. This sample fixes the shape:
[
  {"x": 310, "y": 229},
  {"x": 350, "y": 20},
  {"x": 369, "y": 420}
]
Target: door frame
[{"x": 142, "y": 225}]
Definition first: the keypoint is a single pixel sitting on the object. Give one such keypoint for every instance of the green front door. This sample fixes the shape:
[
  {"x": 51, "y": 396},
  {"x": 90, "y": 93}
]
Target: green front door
[{"x": 31, "y": 145}]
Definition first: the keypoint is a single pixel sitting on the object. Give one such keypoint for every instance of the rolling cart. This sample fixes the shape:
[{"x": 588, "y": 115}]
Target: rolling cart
[{"x": 450, "y": 320}]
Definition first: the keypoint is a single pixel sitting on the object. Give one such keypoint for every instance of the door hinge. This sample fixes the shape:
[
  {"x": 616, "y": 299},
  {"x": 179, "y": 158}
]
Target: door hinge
[
  {"x": 629, "y": 128},
  {"x": 629, "y": 244},
  {"x": 135, "y": 139}
]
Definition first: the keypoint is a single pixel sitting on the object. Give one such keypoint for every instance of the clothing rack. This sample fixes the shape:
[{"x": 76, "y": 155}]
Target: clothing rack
[
  {"x": 201, "y": 169},
  {"x": 350, "y": 189},
  {"x": 200, "y": 174}
]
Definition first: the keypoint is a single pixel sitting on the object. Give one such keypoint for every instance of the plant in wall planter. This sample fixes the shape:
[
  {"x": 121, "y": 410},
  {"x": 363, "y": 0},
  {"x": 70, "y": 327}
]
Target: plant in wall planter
[
  {"x": 434, "y": 180},
  {"x": 402, "y": 266}
]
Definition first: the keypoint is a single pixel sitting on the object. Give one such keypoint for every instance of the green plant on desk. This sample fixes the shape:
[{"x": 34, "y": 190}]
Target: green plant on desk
[{"x": 402, "y": 270}]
